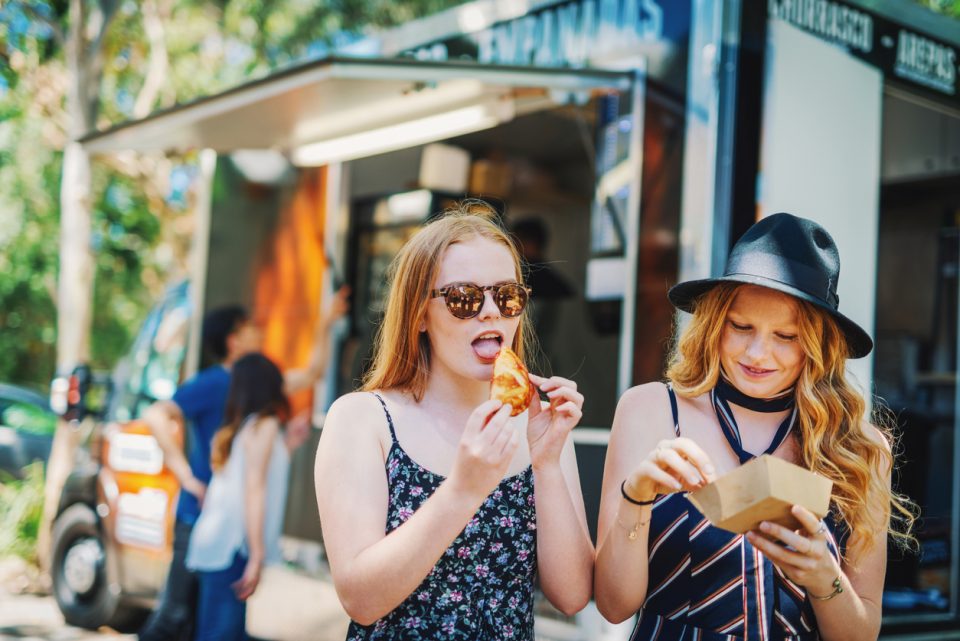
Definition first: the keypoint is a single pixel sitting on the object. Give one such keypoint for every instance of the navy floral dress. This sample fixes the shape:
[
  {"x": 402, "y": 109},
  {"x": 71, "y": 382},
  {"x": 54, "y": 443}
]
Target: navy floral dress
[{"x": 482, "y": 586}]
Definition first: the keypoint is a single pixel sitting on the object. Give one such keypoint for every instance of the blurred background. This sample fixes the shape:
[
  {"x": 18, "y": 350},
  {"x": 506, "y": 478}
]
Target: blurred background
[{"x": 159, "y": 158}]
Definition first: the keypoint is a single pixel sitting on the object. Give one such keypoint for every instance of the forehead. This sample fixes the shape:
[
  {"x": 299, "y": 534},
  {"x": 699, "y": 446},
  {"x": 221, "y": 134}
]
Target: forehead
[
  {"x": 248, "y": 324},
  {"x": 763, "y": 304},
  {"x": 476, "y": 260}
]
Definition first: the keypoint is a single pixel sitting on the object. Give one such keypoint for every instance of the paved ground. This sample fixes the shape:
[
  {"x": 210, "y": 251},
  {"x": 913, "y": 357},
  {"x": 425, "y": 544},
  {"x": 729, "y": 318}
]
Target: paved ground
[
  {"x": 288, "y": 606},
  {"x": 34, "y": 618}
]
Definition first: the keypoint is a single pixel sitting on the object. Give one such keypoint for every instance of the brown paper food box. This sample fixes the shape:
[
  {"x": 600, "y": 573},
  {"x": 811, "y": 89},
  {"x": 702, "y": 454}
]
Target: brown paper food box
[{"x": 763, "y": 489}]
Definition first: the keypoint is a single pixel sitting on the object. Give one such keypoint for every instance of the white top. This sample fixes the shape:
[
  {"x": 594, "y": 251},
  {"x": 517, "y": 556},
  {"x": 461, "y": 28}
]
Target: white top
[{"x": 221, "y": 530}]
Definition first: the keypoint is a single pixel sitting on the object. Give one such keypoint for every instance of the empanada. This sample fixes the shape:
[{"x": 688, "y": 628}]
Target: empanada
[{"x": 511, "y": 383}]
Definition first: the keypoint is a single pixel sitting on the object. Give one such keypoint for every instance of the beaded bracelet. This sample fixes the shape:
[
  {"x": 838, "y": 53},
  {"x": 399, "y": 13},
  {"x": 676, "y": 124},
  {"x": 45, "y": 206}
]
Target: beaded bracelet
[
  {"x": 837, "y": 589},
  {"x": 623, "y": 491}
]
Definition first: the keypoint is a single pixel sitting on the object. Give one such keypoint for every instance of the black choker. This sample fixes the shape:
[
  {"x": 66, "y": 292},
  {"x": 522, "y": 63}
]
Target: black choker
[
  {"x": 731, "y": 394},
  {"x": 725, "y": 393}
]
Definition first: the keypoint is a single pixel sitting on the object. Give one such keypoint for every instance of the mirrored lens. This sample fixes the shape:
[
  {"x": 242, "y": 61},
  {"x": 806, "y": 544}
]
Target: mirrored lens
[
  {"x": 464, "y": 301},
  {"x": 511, "y": 299}
]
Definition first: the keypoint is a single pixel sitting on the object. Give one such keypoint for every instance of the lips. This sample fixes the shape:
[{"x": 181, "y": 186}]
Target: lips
[{"x": 755, "y": 371}]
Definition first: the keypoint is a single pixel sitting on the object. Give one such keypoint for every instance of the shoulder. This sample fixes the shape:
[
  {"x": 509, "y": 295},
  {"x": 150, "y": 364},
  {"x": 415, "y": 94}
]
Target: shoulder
[
  {"x": 646, "y": 406},
  {"x": 261, "y": 431},
  {"x": 355, "y": 405},
  {"x": 265, "y": 424},
  {"x": 644, "y": 397},
  {"x": 356, "y": 413},
  {"x": 213, "y": 376},
  {"x": 875, "y": 435},
  {"x": 355, "y": 438},
  {"x": 881, "y": 440}
]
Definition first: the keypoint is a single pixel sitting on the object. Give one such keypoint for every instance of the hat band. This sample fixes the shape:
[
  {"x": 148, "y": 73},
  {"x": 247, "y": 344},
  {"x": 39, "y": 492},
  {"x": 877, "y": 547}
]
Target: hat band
[{"x": 788, "y": 272}]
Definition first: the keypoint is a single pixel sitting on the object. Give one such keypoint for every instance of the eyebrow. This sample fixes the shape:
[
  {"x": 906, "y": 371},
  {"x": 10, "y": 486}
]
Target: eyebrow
[{"x": 511, "y": 281}]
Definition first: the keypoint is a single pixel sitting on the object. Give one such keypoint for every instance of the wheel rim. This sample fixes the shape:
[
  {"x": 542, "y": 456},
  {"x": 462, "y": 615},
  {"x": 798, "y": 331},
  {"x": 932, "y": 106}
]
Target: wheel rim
[{"x": 81, "y": 565}]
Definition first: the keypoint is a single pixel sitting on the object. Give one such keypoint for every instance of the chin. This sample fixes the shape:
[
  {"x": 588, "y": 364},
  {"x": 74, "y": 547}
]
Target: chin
[
  {"x": 476, "y": 371},
  {"x": 484, "y": 372},
  {"x": 765, "y": 389}
]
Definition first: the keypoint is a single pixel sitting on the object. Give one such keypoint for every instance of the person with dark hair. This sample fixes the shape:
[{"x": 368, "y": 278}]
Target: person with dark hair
[
  {"x": 197, "y": 411},
  {"x": 219, "y": 325},
  {"x": 239, "y": 528}
]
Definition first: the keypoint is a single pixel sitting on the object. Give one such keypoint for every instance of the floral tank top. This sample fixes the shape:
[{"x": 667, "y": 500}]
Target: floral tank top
[{"x": 482, "y": 586}]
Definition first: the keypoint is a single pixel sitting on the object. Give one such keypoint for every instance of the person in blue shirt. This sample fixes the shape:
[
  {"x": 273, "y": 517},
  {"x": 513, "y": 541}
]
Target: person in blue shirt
[{"x": 197, "y": 408}]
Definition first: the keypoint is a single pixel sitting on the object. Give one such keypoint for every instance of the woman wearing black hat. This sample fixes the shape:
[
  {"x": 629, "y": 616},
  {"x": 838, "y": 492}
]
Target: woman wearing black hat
[{"x": 759, "y": 369}]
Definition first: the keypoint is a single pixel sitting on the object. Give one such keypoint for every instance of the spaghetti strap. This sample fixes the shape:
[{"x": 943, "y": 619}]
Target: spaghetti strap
[
  {"x": 673, "y": 409},
  {"x": 383, "y": 403}
]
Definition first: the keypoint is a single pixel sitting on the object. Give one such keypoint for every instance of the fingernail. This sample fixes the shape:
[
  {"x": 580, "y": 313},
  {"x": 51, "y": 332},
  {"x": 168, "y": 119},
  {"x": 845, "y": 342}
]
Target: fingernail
[{"x": 765, "y": 526}]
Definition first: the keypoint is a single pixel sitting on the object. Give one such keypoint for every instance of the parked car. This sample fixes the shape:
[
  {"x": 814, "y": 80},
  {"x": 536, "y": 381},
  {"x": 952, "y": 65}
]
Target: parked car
[
  {"x": 112, "y": 534},
  {"x": 27, "y": 425}
]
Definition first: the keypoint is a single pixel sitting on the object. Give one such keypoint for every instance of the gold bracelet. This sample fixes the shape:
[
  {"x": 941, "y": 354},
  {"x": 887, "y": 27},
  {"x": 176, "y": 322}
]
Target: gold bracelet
[
  {"x": 837, "y": 589},
  {"x": 633, "y": 532}
]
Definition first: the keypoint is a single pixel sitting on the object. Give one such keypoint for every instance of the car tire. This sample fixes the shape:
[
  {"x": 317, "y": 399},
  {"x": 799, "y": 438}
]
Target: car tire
[{"x": 79, "y": 572}]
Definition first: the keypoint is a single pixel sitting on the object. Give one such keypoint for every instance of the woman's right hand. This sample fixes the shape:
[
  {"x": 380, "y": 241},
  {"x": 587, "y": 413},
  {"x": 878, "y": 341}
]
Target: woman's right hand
[
  {"x": 246, "y": 585},
  {"x": 486, "y": 448},
  {"x": 674, "y": 465}
]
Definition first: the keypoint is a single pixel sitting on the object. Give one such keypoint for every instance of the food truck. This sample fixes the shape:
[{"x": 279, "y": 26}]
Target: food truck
[{"x": 639, "y": 138}]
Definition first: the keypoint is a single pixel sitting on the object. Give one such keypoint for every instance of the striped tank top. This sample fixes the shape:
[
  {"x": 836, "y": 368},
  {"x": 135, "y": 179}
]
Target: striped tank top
[{"x": 707, "y": 584}]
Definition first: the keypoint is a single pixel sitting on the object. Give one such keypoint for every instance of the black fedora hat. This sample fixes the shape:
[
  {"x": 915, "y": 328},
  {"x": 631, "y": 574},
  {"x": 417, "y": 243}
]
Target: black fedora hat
[{"x": 792, "y": 255}]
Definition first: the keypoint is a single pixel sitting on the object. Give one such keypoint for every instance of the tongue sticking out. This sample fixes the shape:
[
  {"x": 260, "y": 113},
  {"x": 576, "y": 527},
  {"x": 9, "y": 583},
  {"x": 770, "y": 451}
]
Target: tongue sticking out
[{"x": 486, "y": 348}]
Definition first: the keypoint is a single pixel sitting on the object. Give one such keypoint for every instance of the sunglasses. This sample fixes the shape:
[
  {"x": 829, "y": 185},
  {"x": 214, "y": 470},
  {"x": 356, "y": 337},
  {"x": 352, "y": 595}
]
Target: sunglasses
[{"x": 465, "y": 300}]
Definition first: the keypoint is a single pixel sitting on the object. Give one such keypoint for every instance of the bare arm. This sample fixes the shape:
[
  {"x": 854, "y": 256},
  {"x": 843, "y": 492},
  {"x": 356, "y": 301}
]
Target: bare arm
[
  {"x": 642, "y": 424},
  {"x": 296, "y": 380},
  {"x": 374, "y": 572},
  {"x": 164, "y": 418},
  {"x": 257, "y": 448},
  {"x": 565, "y": 552}
]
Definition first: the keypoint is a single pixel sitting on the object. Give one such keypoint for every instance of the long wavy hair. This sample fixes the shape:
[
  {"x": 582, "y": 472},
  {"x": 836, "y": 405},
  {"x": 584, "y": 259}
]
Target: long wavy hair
[
  {"x": 256, "y": 387},
  {"x": 401, "y": 352},
  {"x": 830, "y": 413}
]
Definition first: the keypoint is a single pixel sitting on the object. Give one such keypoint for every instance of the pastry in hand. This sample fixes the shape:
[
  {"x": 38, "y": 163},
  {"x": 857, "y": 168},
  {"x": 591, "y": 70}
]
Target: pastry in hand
[{"x": 510, "y": 383}]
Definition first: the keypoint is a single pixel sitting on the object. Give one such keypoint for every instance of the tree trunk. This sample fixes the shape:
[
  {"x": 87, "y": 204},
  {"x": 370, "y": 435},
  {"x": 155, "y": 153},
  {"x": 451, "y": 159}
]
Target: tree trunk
[
  {"x": 74, "y": 319},
  {"x": 75, "y": 282}
]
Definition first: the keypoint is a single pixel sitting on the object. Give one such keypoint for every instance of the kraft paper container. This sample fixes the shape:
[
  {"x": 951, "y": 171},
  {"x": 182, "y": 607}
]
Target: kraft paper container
[{"x": 763, "y": 489}]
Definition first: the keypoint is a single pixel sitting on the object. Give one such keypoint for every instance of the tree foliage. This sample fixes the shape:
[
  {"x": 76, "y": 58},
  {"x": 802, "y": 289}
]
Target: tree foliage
[
  {"x": 155, "y": 53},
  {"x": 946, "y": 7}
]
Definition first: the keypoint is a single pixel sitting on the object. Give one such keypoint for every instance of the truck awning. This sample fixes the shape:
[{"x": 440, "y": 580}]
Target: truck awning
[{"x": 350, "y": 99}]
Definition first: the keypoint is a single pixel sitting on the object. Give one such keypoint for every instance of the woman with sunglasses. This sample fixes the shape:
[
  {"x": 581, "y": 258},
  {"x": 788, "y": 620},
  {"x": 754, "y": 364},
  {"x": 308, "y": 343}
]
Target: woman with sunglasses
[
  {"x": 760, "y": 368},
  {"x": 438, "y": 509}
]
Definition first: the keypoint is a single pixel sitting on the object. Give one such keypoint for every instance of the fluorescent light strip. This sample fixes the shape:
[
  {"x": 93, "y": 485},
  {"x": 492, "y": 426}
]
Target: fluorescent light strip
[{"x": 406, "y": 134}]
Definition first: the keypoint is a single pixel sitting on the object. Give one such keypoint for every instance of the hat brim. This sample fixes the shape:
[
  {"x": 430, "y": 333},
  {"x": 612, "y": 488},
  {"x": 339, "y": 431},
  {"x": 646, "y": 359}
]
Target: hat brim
[{"x": 684, "y": 296}]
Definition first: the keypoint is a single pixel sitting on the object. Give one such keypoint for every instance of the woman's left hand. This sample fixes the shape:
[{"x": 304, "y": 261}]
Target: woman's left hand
[
  {"x": 803, "y": 555},
  {"x": 548, "y": 427}
]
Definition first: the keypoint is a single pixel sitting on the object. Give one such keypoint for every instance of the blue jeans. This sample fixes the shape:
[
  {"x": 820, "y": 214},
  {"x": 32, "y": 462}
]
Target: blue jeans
[
  {"x": 221, "y": 616},
  {"x": 175, "y": 614}
]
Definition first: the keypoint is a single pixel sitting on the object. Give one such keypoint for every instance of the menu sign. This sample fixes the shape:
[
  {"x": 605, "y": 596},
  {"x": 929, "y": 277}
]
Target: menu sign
[{"x": 895, "y": 49}]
